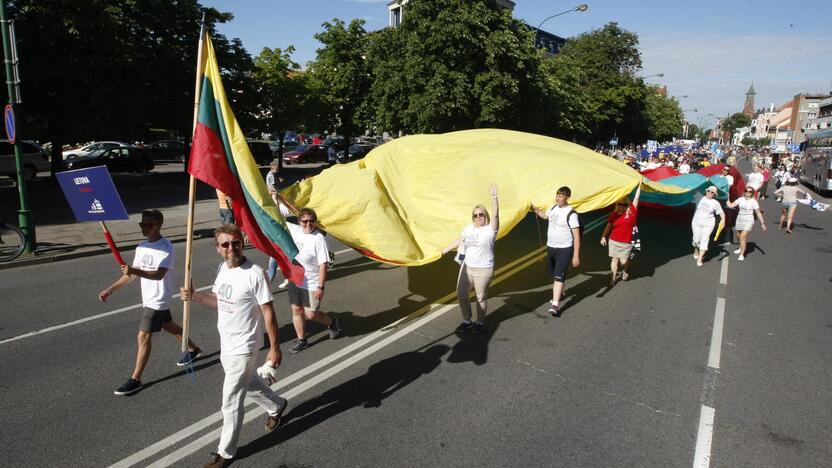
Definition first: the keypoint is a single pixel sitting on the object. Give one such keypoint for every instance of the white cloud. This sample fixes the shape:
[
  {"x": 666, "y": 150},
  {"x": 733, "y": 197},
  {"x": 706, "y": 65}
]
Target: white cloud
[{"x": 715, "y": 71}]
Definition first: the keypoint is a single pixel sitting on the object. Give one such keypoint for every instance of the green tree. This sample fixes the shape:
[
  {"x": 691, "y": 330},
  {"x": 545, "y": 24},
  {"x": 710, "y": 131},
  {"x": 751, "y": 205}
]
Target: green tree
[
  {"x": 339, "y": 76},
  {"x": 104, "y": 69},
  {"x": 615, "y": 98},
  {"x": 455, "y": 64},
  {"x": 281, "y": 93},
  {"x": 664, "y": 116},
  {"x": 735, "y": 121}
]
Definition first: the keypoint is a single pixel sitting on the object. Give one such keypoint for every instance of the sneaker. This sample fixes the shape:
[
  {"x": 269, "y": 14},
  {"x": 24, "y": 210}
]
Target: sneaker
[
  {"x": 217, "y": 461},
  {"x": 478, "y": 328},
  {"x": 741, "y": 258},
  {"x": 463, "y": 326},
  {"x": 699, "y": 263},
  {"x": 130, "y": 387},
  {"x": 334, "y": 328},
  {"x": 737, "y": 251},
  {"x": 554, "y": 310},
  {"x": 273, "y": 421},
  {"x": 283, "y": 284},
  {"x": 331, "y": 262},
  {"x": 299, "y": 346},
  {"x": 189, "y": 357},
  {"x": 625, "y": 276}
]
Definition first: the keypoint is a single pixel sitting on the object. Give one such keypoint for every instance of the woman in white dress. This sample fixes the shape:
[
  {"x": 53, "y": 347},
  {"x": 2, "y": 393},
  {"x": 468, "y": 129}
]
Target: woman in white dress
[
  {"x": 747, "y": 206},
  {"x": 476, "y": 248},
  {"x": 703, "y": 223}
]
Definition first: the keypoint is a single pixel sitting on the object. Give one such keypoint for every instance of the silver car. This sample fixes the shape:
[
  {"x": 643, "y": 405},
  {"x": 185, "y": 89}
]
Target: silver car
[{"x": 35, "y": 159}]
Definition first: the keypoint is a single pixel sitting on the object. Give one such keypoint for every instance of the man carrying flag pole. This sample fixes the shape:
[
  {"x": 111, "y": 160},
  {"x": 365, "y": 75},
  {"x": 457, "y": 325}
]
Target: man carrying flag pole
[{"x": 221, "y": 158}]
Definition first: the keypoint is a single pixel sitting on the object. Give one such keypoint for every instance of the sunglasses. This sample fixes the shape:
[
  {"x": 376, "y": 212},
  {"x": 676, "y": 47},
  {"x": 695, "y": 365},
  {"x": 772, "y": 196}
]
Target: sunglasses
[
  {"x": 749, "y": 191},
  {"x": 478, "y": 215},
  {"x": 235, "y": 243},
  {"x": 307, "y": 221}
]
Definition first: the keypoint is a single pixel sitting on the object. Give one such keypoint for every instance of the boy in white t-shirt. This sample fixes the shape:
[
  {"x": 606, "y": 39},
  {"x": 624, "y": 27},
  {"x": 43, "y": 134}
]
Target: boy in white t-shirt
[
  {"x": 563, "y": 242},
  {"x": 153, "y": 263}
]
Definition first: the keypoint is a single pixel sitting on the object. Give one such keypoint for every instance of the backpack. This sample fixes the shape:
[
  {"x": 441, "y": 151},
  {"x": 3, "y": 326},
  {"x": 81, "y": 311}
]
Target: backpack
[{"x": 580, "y": 226}]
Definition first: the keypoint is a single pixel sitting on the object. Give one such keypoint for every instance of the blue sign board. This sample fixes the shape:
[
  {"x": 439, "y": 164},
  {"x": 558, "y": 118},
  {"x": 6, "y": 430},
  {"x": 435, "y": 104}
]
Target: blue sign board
[
  {"x": 91, "y": 194},
  {"x": 8, "y": 117},
  {"x": 613, "y": 141},
  {"x": 794, "y": 148}
]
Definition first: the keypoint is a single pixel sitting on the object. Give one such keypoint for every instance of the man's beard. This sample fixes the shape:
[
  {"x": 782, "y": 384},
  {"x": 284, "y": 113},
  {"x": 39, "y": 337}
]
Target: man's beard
[{"x": 233, "y": 261}]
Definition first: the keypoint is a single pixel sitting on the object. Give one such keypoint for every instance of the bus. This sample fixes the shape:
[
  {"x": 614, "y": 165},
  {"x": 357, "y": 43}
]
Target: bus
[{"x": 816, "y": 164}]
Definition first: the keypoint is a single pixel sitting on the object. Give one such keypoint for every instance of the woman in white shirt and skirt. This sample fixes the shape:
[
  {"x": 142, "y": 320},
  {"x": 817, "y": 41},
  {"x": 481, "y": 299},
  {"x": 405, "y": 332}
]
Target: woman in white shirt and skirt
[
  {"x": 476, "y": 256},
  {"x": 745, "y": 219}
]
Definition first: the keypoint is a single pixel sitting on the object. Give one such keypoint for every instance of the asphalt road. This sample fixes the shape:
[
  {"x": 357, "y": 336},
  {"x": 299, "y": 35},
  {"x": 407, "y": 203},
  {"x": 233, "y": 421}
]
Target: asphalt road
[{"x": 623, "y": 378}]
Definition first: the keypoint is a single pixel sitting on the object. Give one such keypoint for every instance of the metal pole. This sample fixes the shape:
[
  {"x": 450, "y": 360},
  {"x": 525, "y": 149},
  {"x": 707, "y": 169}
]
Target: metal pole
[{"x": 24, "y": 215}]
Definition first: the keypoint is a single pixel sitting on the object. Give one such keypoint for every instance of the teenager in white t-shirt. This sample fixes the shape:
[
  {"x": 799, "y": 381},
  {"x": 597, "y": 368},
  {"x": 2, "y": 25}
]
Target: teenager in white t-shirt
[
  {"x": 153, "y": 263},
  {"x": 747, "y": 206},
  {"x": 305, "y": 298},
  {"x": 243, "y": 301},
  {"x": 476, "y": 248},
  {"x": 563, "y": 243},
  {"x": 703, "y": 223}
]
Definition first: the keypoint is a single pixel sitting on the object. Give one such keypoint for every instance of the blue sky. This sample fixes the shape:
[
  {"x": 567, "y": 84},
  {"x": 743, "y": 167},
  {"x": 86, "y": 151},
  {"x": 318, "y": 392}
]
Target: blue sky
[{"x": 707, "y": 50}]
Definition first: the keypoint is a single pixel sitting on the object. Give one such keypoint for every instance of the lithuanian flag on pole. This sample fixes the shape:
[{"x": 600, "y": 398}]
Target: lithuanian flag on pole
[{"x": 220, "y": 157}]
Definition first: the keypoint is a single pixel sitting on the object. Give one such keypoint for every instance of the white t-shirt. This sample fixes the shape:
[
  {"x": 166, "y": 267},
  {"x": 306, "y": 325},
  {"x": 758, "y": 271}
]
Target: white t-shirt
[
  {"x": 684, "y": 168},
  {"x": 747, "y": 206},
  {"x": 312, "y": 253},
  {"x": 730, "y": 179},
  {"x": 755, "y": 179},
  {"x": 479, "y": 246},
  {"x": 240, "y": 293},
  {"x": 706, "y": 210},
  {"x": 559, "y": 234},
  {"x": 150, "y": 256}
]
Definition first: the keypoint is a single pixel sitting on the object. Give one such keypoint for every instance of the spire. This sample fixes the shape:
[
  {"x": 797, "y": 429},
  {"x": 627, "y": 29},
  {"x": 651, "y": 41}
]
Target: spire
[{"x": 751, "y": 89}]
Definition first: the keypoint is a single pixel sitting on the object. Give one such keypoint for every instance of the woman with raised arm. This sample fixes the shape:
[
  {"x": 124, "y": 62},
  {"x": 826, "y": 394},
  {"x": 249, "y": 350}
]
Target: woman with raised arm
[
  {"x": 476, "y": 255},
  {"x": 747, "y": 205},
  {"x": 619, "y": 231}
]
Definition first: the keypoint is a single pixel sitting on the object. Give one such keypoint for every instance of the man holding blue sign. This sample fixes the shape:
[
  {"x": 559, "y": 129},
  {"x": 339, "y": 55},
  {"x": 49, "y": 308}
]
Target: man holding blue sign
[{"x": 153, "y": 263}]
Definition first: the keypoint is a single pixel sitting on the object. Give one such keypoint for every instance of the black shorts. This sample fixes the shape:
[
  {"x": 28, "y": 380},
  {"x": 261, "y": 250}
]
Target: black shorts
[
  {"x": 153, "y": 320},
  {"x": 558, "y": 261}
]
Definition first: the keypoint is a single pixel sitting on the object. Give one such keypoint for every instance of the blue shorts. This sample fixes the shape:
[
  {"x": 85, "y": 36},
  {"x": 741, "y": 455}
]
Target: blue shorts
[
  {"x": 558, "y": 260},
  {"x": 789, "y": 204}
]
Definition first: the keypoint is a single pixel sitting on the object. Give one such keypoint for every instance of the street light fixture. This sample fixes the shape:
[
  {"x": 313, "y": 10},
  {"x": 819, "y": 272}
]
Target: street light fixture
[
  {"x": 657, "y": 75},
  {"x": 582, "y": 7}
]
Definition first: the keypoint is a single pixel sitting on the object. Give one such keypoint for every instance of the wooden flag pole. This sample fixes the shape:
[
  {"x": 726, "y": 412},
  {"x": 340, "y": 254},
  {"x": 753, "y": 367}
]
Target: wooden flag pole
[{"x": 189, "y": 239}]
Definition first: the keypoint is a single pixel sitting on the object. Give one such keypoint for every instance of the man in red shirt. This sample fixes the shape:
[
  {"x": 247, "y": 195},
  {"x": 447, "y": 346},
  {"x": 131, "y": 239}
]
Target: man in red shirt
[{"x": 619, "y": 230}]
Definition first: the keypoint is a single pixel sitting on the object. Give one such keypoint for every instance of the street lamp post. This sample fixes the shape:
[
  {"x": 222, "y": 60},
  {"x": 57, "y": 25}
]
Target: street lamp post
[
  {"x": 582, "y": 7},
  {"x": 657, "y": 75}
]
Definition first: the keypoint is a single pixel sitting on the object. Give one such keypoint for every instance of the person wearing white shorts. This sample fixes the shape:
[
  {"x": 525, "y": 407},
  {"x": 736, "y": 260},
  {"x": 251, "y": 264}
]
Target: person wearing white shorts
[
  {"x": 703, "y": 223},
  {"x": 747, "y": 206}
]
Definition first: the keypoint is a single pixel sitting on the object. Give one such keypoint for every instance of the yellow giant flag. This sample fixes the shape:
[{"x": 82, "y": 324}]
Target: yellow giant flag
[{"x": 411, "y": 197}]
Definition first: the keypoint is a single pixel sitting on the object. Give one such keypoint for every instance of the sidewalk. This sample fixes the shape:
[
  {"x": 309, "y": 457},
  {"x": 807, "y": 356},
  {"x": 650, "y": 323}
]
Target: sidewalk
[{"x": 65, "y": 241}]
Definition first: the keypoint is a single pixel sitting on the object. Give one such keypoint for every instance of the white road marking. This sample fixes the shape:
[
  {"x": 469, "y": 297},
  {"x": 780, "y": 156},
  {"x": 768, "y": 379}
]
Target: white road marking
[
  {"x": 80, "y": 321},
  {"x": 723, "y": 273},
  {"x": 716, "y": 335},
  {"x": 702, "y": 455}
]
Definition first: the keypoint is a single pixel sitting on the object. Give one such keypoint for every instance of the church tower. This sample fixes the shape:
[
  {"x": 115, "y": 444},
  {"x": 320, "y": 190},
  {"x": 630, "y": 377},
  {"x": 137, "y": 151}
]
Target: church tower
[{"x": 748, "y": 108}]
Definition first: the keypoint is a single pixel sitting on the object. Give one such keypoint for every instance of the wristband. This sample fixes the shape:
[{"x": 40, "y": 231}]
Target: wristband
[{"x": 321, "y": 288}]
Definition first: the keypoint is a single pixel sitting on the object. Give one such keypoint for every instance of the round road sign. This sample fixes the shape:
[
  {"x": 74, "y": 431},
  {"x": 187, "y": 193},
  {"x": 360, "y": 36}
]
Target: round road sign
[{"x": 8, "y": 115}]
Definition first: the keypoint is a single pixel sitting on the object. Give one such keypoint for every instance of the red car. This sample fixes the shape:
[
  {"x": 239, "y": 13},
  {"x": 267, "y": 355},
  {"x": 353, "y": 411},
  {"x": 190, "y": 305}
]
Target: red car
[{"x": 305, "y": 154}]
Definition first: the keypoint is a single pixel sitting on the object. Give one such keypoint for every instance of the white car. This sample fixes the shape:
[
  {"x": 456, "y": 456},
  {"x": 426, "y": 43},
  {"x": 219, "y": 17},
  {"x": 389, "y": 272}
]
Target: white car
[{"x": 98, "y": 145}]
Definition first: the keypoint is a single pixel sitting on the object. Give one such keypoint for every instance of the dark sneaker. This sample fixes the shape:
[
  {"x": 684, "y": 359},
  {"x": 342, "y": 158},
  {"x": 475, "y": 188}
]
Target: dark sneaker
[
  {"x": 463, "y": 326},
  {"x": 331, "y": 262},
  {"x": 554, "y": 310},
  {"x": 299, "y": 346},
  {"x": 217, "y": 461},
  {"x": 273, "y": 421},
  {"x": 478, "y": 328},
  {"x": 189, "y": 357},
  {"x": 130, "y": 387},
  {"x": 334, "y": 328}
]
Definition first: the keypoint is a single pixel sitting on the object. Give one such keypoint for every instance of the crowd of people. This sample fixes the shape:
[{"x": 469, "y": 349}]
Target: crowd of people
[{"x": 243, "y": 299}]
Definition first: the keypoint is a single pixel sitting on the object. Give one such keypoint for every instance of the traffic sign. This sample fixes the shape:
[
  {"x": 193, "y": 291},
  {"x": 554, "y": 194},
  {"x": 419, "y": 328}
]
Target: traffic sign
[
  {"x": 11, "y": 132},
  {"x": 794, "y": 148}
]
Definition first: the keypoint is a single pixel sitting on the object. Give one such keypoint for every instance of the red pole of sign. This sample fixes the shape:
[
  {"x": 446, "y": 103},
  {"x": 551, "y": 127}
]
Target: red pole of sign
[{"x": 112, "y": 244}]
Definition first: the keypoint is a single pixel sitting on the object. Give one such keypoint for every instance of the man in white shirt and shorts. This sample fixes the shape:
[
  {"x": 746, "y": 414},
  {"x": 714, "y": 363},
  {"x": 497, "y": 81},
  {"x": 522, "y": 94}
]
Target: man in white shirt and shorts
[{"x": 563, "y": 243}]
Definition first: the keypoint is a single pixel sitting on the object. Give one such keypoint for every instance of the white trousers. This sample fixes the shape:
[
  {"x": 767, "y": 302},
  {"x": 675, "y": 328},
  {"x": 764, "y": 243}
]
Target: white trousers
[
  {"x": 240, "y": 378},
  {"x": 701, "y": 233}
]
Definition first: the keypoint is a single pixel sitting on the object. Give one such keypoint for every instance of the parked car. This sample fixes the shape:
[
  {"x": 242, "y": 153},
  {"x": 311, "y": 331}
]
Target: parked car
[
  {"x": 305, "y": 154},
  {"x": 167, "y": 150},
  {"x": 35, "y": 159},
  {"x": 261, "y": 151},
  {"x": 356, "y": 151},
  {"x": 98, "y": 145},
  {"x": 121, "y": 159}
]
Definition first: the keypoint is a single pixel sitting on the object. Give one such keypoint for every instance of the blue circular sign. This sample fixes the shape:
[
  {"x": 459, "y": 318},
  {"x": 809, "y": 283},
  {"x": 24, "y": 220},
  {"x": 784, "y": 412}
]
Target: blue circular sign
[{"x": 8, "y": 115}]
